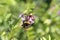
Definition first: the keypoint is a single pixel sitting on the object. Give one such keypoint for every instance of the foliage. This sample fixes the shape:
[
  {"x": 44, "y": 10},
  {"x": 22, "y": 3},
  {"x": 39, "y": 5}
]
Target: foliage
[{"x": 47, "y": 23}]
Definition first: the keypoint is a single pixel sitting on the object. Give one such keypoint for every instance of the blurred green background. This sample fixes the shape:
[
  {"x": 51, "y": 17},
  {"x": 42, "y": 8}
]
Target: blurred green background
[{"x": 47, "y": 23}]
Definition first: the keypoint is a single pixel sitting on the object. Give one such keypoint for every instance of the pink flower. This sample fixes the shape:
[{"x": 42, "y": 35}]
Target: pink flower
[
  {"x": 20, "y": 15},
  {"x": 58, "y": 12}
]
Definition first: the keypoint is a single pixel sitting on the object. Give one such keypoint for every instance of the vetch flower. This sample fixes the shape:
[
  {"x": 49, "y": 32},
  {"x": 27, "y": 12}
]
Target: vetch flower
[
  {"x": 58, "y": 12},
  {"x": 20, "y": 15}
]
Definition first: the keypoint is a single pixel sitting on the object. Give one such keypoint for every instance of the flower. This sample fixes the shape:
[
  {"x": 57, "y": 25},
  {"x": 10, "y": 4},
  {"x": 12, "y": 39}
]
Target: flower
[
  {"x": 58, "y": 12},
  {"x": 20, "y": 15}
]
